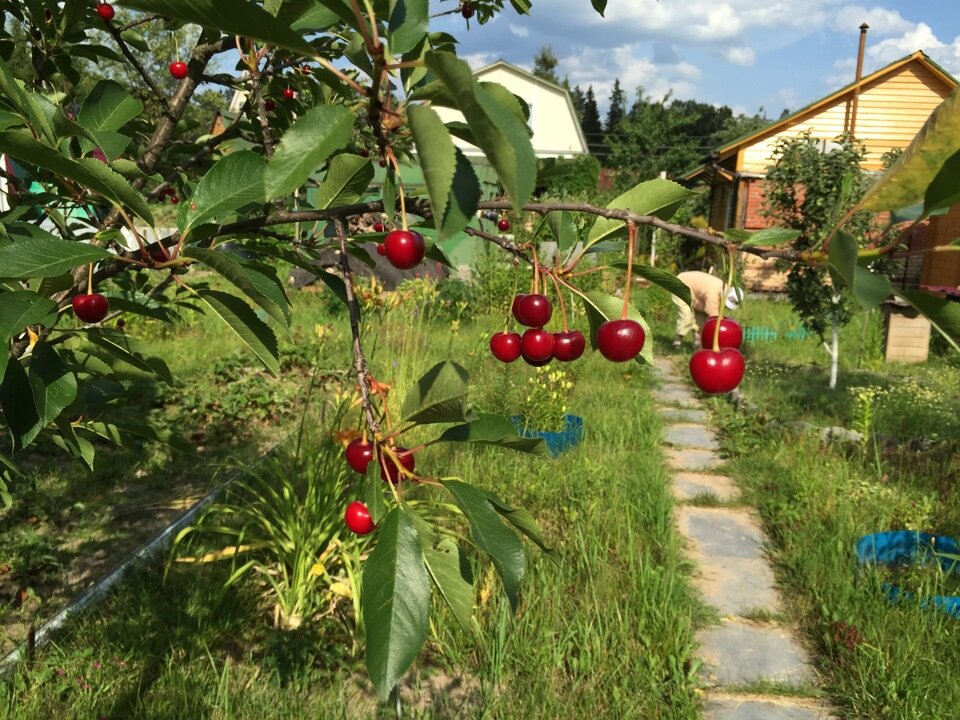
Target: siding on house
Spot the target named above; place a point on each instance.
(890, 112)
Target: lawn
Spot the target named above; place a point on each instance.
(605, 629)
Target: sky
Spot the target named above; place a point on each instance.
(752, 55)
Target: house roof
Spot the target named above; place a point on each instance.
(734, 146)
(503, 64)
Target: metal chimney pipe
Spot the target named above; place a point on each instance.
(856, 90)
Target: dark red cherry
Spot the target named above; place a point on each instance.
(506, 346)
(568, 346)
(620, 340)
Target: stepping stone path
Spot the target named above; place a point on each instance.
(726, 543)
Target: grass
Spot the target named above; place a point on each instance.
(877, 659)
(608, 630)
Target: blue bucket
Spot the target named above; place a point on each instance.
(905, 547)
(556, 442)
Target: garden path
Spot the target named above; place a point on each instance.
(750, 650)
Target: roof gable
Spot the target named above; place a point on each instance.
(842, 95)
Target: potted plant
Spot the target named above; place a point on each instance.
(545, 412)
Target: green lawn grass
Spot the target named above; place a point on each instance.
(607, 630)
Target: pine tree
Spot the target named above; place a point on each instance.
(545, 64)
(618, 107)
(591, 125)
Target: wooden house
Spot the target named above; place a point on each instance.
(555, 129)
(884, 110)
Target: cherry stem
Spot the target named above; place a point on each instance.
(631, 239)
(536, 269)
(90, 279)
(342, 75)
(368, 41)
(563, 307)
(403, 202)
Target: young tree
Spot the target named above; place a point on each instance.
(545, 64)
(618, 108)
(810, 187)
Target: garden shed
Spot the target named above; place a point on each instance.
(884, 110)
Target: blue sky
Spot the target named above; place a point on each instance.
(748, 54)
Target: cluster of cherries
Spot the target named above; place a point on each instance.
(169, 192)
(359, 454)
(721, 370)
(617, 340)
(536, 346)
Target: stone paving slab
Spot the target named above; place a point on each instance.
(683, 415)
(691, 435)
(671, 394)
(691, 459)
(735, 653)
(688, 485)
(754, 708)
(727, 547)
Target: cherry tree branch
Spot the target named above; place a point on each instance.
(138, 66)
(359, 359)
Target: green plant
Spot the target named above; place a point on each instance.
(282, 524)
(546, 403)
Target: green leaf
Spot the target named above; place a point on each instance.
(599, 5)
(396, 602)
(73, 443)
(601, 307)
(944, 190)
(90, 173)
(563, 229)
(451, 573)
(491, 429)
(244, 322)
(869, 289)
(491, 536)
(771, 237)
(107, 108)
(25, 103)
(19, 309)
(503, 137)
(408, 24)
(16, 401)
(9, 120)
(46, 258)
(313, 138)
(348, 178)
(437, 155)
(244, 278)
(54, 386)
(653, 197)
(233, 17)
(668, 281)
(440, 396)
(119, 346)
(942, 312)
(523, 521)
(234, 181)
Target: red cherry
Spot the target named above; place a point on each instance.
(620, 340)
(90, 308)
(731, 335)
(717, 372)
(269, 105)
(537, 345)
(364, 152)
(505, 346)
(381, 249)
(466, 9)
(359, 454)
(405, 248)
(388, 468)
(568, 346)
(515, 306)
(178, 69)
(383, 162)
(106, 11)
(357, 519)
(378, 227)
(503, 224)
(534, 310)
(174, 199)
(289, 94)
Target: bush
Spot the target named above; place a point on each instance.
(573, 177)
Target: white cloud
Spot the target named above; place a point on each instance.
(478, 60)
(880, 20)
(740, 55)
(519, 30)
